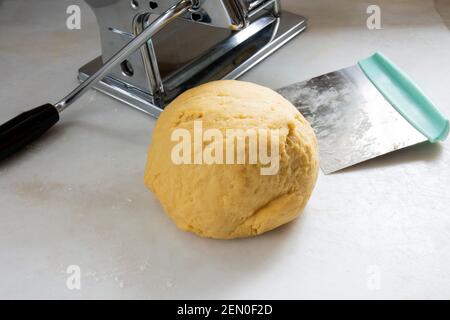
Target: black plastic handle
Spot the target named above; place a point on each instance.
(25, 128)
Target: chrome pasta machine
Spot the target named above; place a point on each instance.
(154, 50)
(213, 39)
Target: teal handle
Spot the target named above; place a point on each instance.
(406, 97)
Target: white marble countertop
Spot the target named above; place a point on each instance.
(378, 230)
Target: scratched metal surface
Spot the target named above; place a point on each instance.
(352, 120)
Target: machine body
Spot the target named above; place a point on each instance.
(216, 39)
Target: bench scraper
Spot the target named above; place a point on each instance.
(364, 111)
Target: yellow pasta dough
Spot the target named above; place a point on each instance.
(205, 191)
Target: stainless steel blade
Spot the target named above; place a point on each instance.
(352, 120)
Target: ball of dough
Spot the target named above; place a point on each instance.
(224, 200)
